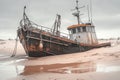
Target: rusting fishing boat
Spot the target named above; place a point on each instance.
(38, 40)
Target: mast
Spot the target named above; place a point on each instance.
(25, 22)
(56, 26)
(24, 14)
(78, 16)
(77, 13)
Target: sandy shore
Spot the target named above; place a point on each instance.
(96, 64)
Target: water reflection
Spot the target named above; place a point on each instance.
(12, 68)
(9, 68)
(68, 68)
(8, 71)
(61, 68)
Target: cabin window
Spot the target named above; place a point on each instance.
(84, 29)
(73, 30)
(78, 29)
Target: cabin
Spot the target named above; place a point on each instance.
(83, 33)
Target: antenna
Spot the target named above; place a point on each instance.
(88, 13)
(77, 13)
(91, 10)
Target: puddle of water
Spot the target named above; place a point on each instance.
(11, 61)
(9, 71)
(61, 68)
(4, 56)
(70, 68)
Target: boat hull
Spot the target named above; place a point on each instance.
(38, 43)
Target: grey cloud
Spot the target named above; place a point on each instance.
(105, 14)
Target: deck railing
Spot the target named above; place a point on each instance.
(47, 29)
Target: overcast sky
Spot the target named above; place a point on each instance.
(106, 15)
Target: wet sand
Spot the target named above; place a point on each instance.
(96, 64)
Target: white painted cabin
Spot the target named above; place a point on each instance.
(83, 33)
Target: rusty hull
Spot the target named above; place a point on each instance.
(49, 44)
(41, 43)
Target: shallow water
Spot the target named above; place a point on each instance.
(70, 68)
(9, 71)
(66, 68)
(10, 67)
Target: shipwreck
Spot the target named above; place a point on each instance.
(38, 40)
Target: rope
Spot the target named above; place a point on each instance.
(15, 48)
